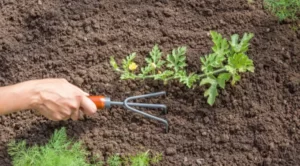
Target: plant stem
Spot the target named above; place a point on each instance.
(200, 76)
(212, 73)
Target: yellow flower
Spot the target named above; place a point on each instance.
(132, 66)
(153, 65)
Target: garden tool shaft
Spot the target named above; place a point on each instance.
(103, 102)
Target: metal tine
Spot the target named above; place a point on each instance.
(164, 107)
(144, 105)
(143, 113)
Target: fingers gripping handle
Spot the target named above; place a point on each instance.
(101, 101)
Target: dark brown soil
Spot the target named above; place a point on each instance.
(254, 123)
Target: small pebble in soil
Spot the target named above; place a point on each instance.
(29, 37)
(267, 162)
(96, 131)
(172, 140)
(222, 22)
(170, 151)
(287, 55)
(103, 118)
(208, 12)
(168, 12)
(159, 4)
(78, 81)
(19, 37)
(146, 135)
(285, 66)
(133, 127)
(250, 157)
(87, 29)
(251, 7)
(125, 130)
(185, 160)
(100, 40)
(206, 120)
(109, 148)
(272, 146)
(199, 161)
(150, 13)
(216, 158)
(224, 138)
(217, 139)
(106, 134)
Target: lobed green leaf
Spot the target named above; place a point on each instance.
(176, 60)
(155, 58)
(222, 79)
(188, 80)
(212, 91)
(221, 47)
(114, 64)
(241, 63)
(243, 45)
(212, 61)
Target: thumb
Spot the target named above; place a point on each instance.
(88, 106)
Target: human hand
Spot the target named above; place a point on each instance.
(57, 99)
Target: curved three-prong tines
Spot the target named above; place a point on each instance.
(128, 106)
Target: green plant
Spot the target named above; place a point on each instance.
(156, 158)
(295, 27)
(114, 160)
(143, 159)
(250, 2)
(59, 151)
(284, 9)
(140, 159)
(225, 63)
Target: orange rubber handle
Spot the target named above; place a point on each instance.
(99, 101)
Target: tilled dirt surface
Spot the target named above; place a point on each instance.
(253, 123)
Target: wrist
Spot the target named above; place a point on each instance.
(18, 97)
(28, 93)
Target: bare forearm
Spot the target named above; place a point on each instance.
(17, 97)
(56, 99)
